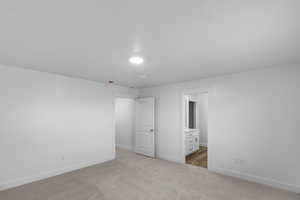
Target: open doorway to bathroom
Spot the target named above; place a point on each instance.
(195, 128)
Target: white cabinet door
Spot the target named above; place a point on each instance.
(189, 145)
(196, 142)
(191, 141)
(144, 133)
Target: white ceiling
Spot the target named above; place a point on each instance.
(180, 40)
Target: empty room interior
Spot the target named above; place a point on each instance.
(150, 100)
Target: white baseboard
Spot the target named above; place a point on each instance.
(25, 180)
(261, 180)
(169, 158)
(126, 147)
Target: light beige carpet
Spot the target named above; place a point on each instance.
(133, 177)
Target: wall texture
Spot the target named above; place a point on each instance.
(50, 124)
(253, 124)
(202, 105)
(125, 127)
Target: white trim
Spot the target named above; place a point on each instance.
(256, 179)
(182, 94)
(126, 147)
(170, 158)
(44, 175)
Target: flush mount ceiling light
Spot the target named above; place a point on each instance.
(136, 60)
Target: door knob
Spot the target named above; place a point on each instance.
(151, 130)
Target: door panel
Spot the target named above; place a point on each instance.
(144, 134)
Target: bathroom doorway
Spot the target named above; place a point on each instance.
(195, 128)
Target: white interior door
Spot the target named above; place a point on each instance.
(144, 132)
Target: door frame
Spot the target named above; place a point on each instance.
(154, 124)
(116, 95)
(182, 115)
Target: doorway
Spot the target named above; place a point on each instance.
(195, 131)
(134, 125)
(124, 123)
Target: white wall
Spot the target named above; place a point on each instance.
(50, 124)
(202, 108)
(125, 92)
(125, 115)
(253, 124)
